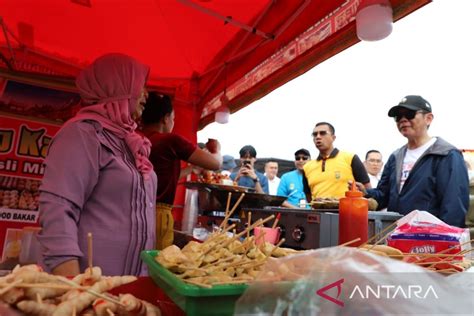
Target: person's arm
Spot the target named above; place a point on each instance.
(205, 159)
(452, 186)
(287, 204)
(307, 189)
(359, 172)
(71, 173)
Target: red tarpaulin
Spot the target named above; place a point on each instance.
(197, 49)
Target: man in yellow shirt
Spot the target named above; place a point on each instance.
(328, 175)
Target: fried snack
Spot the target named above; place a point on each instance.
(387, 250)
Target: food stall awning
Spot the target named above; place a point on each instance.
(197, 49)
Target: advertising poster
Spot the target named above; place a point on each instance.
(25, 135)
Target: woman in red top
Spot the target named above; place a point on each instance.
(168, 150)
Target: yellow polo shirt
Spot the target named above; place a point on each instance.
(328, 177)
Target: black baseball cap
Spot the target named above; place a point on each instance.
(248, 150)
(302, 151)
(410, 102)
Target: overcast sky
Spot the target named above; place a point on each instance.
(429, 53)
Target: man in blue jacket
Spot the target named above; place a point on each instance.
(427, 173)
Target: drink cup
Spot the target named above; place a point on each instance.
(272, 235)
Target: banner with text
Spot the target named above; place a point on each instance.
(23, 146)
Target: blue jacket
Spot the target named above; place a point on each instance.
(438, 183)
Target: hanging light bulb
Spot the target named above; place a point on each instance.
(223, 112)
(374, 20)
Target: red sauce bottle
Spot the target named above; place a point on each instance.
(353, 217)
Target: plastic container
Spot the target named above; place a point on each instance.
(272, 235)
(353, 217)
(193, 300)
(190, 213)
(30, 248)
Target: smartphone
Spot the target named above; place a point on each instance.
(246, 163)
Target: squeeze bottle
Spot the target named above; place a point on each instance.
(353, 217)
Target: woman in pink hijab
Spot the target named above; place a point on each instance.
(98, 178)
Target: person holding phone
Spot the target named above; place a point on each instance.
(247, 176)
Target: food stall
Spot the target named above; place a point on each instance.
(262, 45)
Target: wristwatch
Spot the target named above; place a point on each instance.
(256, 180)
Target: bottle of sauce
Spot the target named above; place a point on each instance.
(353, 217)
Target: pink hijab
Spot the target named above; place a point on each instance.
(112, 84)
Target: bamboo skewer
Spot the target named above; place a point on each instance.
(110, 312)
(229, 241)
(229, 214)
(379, 234)
(229, 196)
(10, 286)
(349, 242)
(249, 221)
(89, 251)
(38, 298)
(276, 246)
(105, 297)
(275, 223)
(42, 285)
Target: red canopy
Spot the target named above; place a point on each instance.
(196, 48)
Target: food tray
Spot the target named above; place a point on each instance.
(192, 299)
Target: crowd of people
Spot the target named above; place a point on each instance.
(106, 177)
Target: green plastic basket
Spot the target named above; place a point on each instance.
(192, 299)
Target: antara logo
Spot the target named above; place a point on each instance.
(322, 292)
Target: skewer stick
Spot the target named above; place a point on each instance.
(349, 242)
(446, 250)
(276, 246)
(10, 286)
(217, 234)
(74, 310)
(229, 241)
(449, 259)
(249, 221)
(105, 297)
(379, 234)
(110, 312)
(229, 214)
(38, 298)
(89, 251)
(42, 285)
(227, 208)
(275, 223)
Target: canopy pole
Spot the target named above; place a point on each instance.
(228, 19)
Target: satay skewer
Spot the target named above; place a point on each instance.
(229, 196)
(275, 223)
(249, 221)
(89, 251)
(376, 236)
(349, 242)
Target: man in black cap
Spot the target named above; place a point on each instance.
(247, 176)
(291, 183)
(427, 173)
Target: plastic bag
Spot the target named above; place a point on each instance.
(347, 281)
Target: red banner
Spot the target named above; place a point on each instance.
(23, 146)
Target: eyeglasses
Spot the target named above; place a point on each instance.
(322, 133)
(301, 158)
(409, 115)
